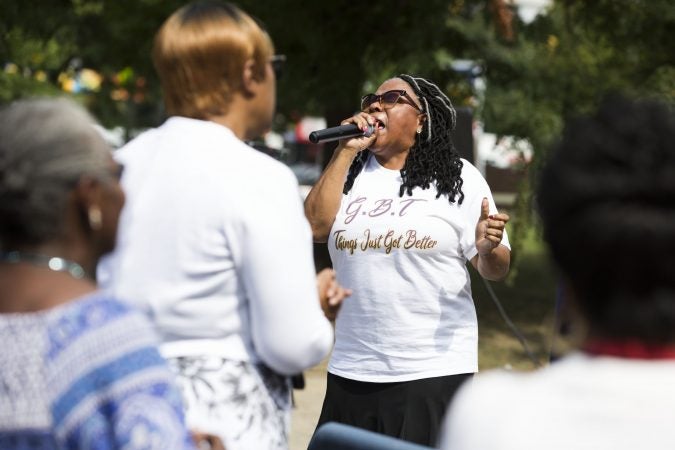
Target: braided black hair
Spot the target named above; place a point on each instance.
(433, 157)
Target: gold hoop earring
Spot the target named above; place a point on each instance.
(95, 218)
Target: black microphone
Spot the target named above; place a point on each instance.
(342, 132)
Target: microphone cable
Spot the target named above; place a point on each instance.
(561, 324)
(514, 329)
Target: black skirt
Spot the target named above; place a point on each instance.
(409, 410)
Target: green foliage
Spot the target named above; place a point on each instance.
(562, 64)
(13, 86)
(555, 67)
(58, 36)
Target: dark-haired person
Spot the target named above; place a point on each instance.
(213, 239)
(607, 203)
(403, 214)
(78, 369)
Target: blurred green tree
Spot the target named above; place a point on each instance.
(539, 74)
(535, 74)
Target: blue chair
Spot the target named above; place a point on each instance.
(337, 436)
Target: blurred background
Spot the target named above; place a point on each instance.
(515, 69)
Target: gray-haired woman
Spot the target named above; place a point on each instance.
(78, 369)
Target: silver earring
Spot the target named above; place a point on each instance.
(95, 218)
(419, 131)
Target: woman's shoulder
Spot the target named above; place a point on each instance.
(469, 171)
(102, 360)
(92, 309)
(98, 322)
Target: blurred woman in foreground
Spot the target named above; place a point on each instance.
(78, 369)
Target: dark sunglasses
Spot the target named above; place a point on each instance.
(388, 99)
(277, 62)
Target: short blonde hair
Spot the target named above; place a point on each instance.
(199, 54)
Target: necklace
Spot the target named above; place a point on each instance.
(51, 262)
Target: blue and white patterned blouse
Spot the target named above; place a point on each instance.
(86, 375)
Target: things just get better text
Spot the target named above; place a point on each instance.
(387, 241)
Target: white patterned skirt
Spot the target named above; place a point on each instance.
(247, 405)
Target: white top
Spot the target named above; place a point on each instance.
(214, 240)
(580, 402)
(411, 315)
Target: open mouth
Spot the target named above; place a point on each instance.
(379, 125)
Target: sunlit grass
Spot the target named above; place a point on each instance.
(529, 299)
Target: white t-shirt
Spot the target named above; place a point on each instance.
(411, 315)
(580, 402)
(214, 244)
